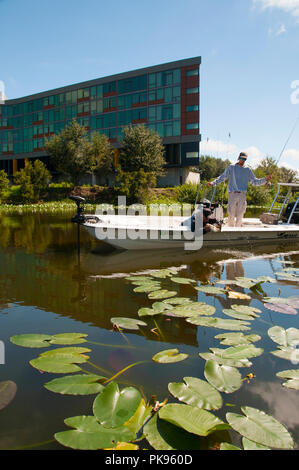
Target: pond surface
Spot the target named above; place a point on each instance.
(45, 288)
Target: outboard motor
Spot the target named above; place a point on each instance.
(79, 218)
(212, 217)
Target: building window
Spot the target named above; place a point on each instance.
(192, 73)
(190, 91)
(194, 107)
(192, 155)
(192, 125)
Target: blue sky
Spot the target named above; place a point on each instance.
(249, 51)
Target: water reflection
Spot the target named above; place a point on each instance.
(45, 288)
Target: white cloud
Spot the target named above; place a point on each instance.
(289, 6)
(282, 29)
(219, 149)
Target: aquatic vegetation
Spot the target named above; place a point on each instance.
(8, 390)
(186, 419)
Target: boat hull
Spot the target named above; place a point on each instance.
(137, 237)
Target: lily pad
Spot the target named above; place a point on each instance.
(281, 308)
(68, 338)
(127, 323)
(286, 338)
(169, 356)
(227, 446)
(211, 290)
(220, 323)
(226, 379)
(246, 309)
(162, 294)
(147, 288)
(261, 428)
(89, 434)
(192, 309)
(163, 435)
(178, 301)
(250, 445)
(290, 354)
(113, 407)
(82, 384)
(182, 280)
(234, 339)
(32, 340)
(8, 390)
(196, 392)
(194, 420)
(148, 312)
(238, 315)
(292, 377)
(212, 356)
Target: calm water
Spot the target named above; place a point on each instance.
(45, 289)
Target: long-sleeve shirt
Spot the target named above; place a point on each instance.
(238, 178)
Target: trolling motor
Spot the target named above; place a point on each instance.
(79, 218)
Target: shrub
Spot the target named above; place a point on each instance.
(4, 183)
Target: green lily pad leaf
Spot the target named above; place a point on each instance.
(290, 354)
(169, 356)
(234, 339)
(246, 282)
(8, 390)
(266, 279)
(182, 280)
(163, 273)
(162, 294)
(161, 306)
(224, 378)
(54, 366)
(246, 309)
(220, 323)
(225, 361)
(163, 435)
(127, 323)
(192, 309)
(211, 290)
(148, 312)
(194, 420)
(250, 445)
(261, 428)
(68, 352)
(31, 340)
(245, 351)
(286, 338)
(178, 301)
(238, 315)
(274, 300)
(113, 407)
(292, 377)
(88, 434)
(82, 384)
(196, 392)
(147, 288)
(227, 446)
(68, 338)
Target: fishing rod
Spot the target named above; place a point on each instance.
(287, 141)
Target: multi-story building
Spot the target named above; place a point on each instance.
(163, 97)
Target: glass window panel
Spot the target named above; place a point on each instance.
(177, 76)
(176, 111)
(190, 91)
(168, 130)
(152, 113)
(160, 94)
(176, 128)
(192, 73)
(152, 80)
(168, 95)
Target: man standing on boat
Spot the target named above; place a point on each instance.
(238, 176)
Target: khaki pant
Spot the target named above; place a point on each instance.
(236, 209)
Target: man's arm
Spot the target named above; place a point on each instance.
(257, 181)
(221, 178)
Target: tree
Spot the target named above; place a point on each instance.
(33, 181)
(70, 151)
(210, 167)
(142, 148)
(101, 154)
(4, 183)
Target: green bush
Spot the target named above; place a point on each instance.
(33, 181)
(4, 184)
(135, 185)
